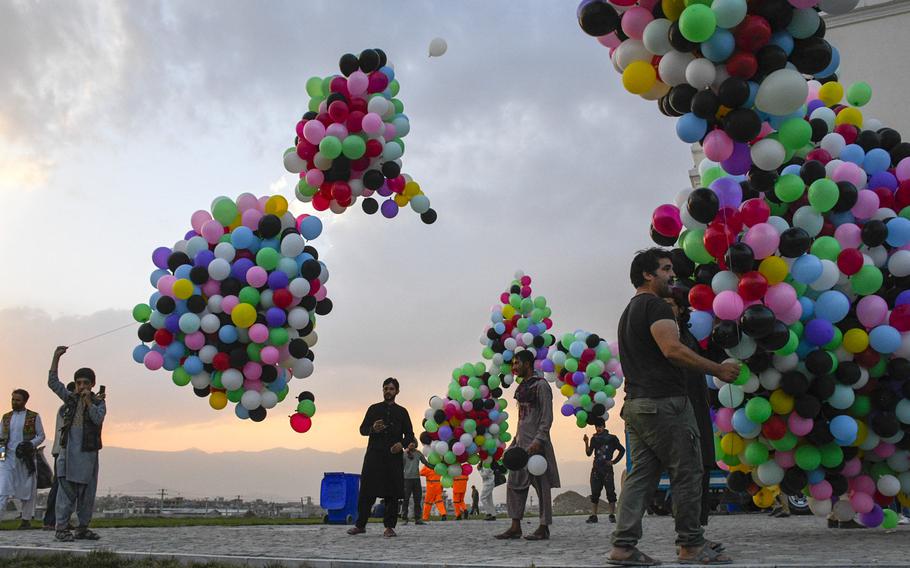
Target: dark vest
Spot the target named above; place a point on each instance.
(91, 432)
(28, 429)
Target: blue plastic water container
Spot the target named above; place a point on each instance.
(338, 496)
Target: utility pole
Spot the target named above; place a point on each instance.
(162, 492)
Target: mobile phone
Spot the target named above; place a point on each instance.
(101, 390)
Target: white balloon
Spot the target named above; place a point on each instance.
(888, 485)
(843, 511)
(299, 287)
(809, 220)
(769, 473)
(207, 353)
(743, 350)
(767, 153)
(778, 223)
(268, 399)
(251, 400)
(820, 507)
(201, 380)
(292, 245)
(292, 162)
(700, 73)
(311, 339)
(219, 269)
(656, 38)
(784, 363)
(232, 379)
(730, 395)
(833, 143)
(687, 219)
(302, 369)
(724, 280)
(195, 245)
(210, 322)
(179, 246)
(628, 51)
(835, 7)
(298, 318)
(420, 203)
(438, 47)
(830, 274)
(782, 92)
(537, 465)
(672, 67)
(214, 304)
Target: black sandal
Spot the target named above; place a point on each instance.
(637, 558)
(508, 535)
(539, 535)
(707, 556)
(86, 534)
(63, 536)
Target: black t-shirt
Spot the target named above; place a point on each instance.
(604, 446)
(648, 373)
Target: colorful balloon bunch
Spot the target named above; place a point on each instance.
(235, 305)
(469, 426)
(349, 143)
(796, 252)
(517, 322)
(587, 372)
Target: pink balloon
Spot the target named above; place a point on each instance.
(252, 370)
(780, 297)
(212, 231)
(634, 21)
(321, 294)
(257, 276)
(195, 340)
(269, 355)
(848, 171)
(358, 81)
(165, 285)
(784, 459)
(862, 502)
(862, 484)
(718, 146)
(763, 239)
(153, 360)
(313, 131)
(803, 4)
(852, 467)
(314, 177)
(228, 303)
(259, 333)
(884, 449)
(798, 425)
(902, 170)
(867, 204)
(872, 310)
(251, 385)
(611, 40)
(666, 220)
(792, 315)
(372, 123)
(337, 130)
(211, 288)
(848, 235)
(728, 305)
(250, 218)
(723, 419)
(247, 201)
(199, 219)
(821, 490)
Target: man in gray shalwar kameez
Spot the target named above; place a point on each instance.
(535, 416)
(77, 465)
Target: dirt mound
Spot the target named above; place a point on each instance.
(573, 503)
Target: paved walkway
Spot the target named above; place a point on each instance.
(752, 540)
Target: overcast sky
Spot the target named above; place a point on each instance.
(119, 119)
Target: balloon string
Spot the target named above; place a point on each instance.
(81, 341)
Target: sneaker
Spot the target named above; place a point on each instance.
(63, 536)
(904, 520)
(85, 534)
(592, 519)
(612, 518)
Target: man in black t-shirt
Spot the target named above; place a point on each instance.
(603, 445)
(660, 425)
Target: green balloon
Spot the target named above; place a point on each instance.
(571, 365)
(527, 304)
(305, 189)
(479, 370)
(249, 295)
(314, 87)
(890, 521)
(278, 336)
(493, 382)
(252, 351)
(808, 457)
(398, 106)
(142, 312)
(469, 426)
(313, 105)
(758, 410)
(567, 340)
(330, 147)
(731, 460)
(432, 427)
(743, 378)
(597, 383)
(858, 94)
(353, 147)
(268, 258)
(394, 87)
(823, 195)
(835, 342)
(450, 457)
(441, 469)
(594, 369)
(224, 210)
(831, 455)
(235, 395)
(791, 345)
(694, 246)
(785, 444)
(216, 380)
(581, 416)
(711, 174)
(327, 85)
(825, 247)
(283, 393)
(794, 133)
(697, 23)
(879, 368)
(756, 453)
(603, 353)
(474, 382)
(433, 458)
(610, 391)
(867, 281)
(540, 302)
(307, 407)
(523, 325)
(789, 187)
(180, 377)
(778, 209)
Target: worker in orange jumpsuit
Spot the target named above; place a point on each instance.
(459, 488)
(433, 495)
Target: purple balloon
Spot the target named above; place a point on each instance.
(160, 256)
(239, 268)
(567, 410)
(190, 234)
(739, 161)
(873, 518)
(882, 179)
(203, 258)
(275, 317)
(819, 332)
(578, 378)
(445, 433)
(384, 191)
(172, 323)
(729, 192)
(389, 209)
(278, 280)
(902, 298)
(813, 104)
(547, 366)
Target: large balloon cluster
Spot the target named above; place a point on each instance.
(349, 145)
(796, 252)
(469, 426)
(587, 372)
(235, 305)
(517, 322)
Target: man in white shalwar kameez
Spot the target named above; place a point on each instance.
(18, 477)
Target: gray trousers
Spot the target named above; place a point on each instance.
(412, 491)
(78, 497)
(516, 499)
(663, 436)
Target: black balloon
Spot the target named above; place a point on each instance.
(811, 171)
(726, 334)
(819, 129)
(369, 205)
(177, 259)
(847, 197)
(776, 338)
(778, 13)
(794, 383)
(763, 181)
(373, 179)
(818, 362)
(771, 58)
(807, 406)
(269, 226)
(678, 41)
(742, 124)
(889, 138)
(348, 64)
(733, 92)
(369, 60)
(705, 273)
(740, 258)
(598, 18)
(703, 205)
(662, 240)
(899, 152)
(383, 58)
(428, 216)
(868, 139)
(811, 55)
(680, 98)
(822, 386)
(874, 233)
(391, 170)
(258, 414)
(683, 266)
(165, 305)
(794, 242)
(515, 458)
(705, 104)
(757, 321)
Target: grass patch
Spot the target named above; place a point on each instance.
(104, 560)
(150, 522)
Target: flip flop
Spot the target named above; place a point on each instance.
(716, 546)
(707, 556)
(637, 558)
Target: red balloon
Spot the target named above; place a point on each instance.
(374, 148)
(742, 64)
(902, 195)
(221, 362)
(666, 220)
(359, 105)
(820, 155)
(164, 337)
(341, 190)
(300, 423)
(718, 239)
(900, 318)
(360, 164)
(848, 131)
(324, 118)
(774, 428)
(282, 298)
(355, 121)
(868, 358)
(754, 211)
(730, 218)
(305, 150)
(340, 85)
(378, 82)
(338, 110)
(701, 297)
(320, 203)
(885, 197)
(752, 34)
(849, 261)
(752, 286)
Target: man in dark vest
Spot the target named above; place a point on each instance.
(80, 440)
(20, 433)
(389, 429)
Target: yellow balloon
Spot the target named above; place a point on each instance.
(218, 400)
(567, 390)
(781, 402)
(831, 93)
(904, 499)
(672, 8)
(764, 498)
(479, 440)
(401, 199)
(850, 115)
(411, 188)
(862, 432)
(236, 222)
(243, 315)
(856, 340)
(774, 269)
(508, 311)
(639, 77)
(183, 289)
(732, 444)
(276, 205)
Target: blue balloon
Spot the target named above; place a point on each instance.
(783, 40)
(843, 397)
(815, 476)
(832, 305)
(576, 349)
(844, 428)
(791, 169)
(192, 365)
(808, 307)
(310, 227)
(898, 231)
(153, 278)
(690, 128)
(719, 46)
(272, 243)
(228, 334)
(885, 339)
(176, 350)
(499, 328)
(838, 219)
(183, 271)
(819, 332)
(153, 299)
(853, 153)
(583, 388)
(831, 69)
(700, 324)
(171, 363)
(753, 92)
(806, 269)
(804, 348)
(242, 237)
(876, 160)
(743, 426)
(139, 352)
(241, 412)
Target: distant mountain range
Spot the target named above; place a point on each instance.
(277, 475)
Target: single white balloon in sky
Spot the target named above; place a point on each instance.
(438, 47)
